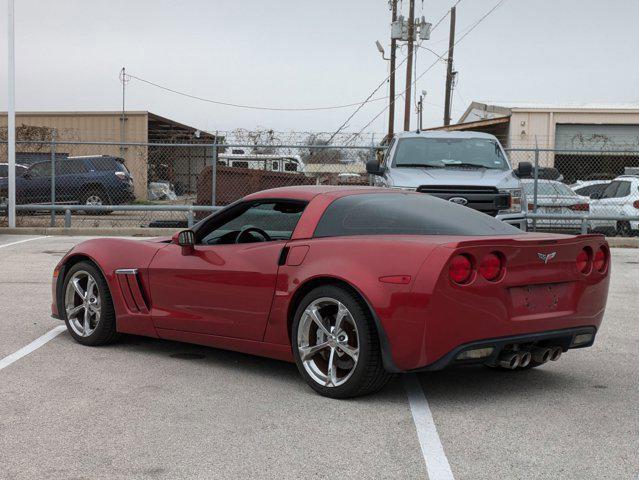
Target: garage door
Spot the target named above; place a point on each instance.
(596, 137)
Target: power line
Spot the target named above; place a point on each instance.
(250, 107)
(481, 19)
(418, 45)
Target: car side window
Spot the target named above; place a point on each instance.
(70, 167)
(386, 157)
(259, 221)
(40, 170)
(611, 190)
(624, 189)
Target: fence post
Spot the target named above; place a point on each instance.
(536, 177)
(67, 218)
(372, 157)
(214, 174)
(53, 135)
(584, 226)
(189, 218)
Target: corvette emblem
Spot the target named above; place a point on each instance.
(546, 257)
(458, 200)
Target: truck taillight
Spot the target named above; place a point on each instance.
(491, 266)
(584, 261)
(580, 207)
(601, 259)
(460, 269)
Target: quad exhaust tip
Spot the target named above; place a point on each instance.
(510, 360)
(521, 359)
(524, 359)
(555, 353)
(542, 355)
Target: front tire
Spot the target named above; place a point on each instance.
(88, 307)
(335, 344)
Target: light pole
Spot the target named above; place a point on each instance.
(420, 110)
(11, 117)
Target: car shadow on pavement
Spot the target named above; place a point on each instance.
(478, 384)
(281, 374)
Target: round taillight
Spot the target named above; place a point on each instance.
(583, 261)
(601, 259)
(461, 269)
(491, 266)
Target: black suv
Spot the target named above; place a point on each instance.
(91, 180)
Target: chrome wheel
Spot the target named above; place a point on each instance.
(93, 200)
(82, 303)
(328, 342)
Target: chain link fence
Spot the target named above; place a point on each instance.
(577, 183)
(108, 185)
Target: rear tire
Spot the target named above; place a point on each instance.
(95, 196)
(85, 290)
(336, 345)
(623, 229)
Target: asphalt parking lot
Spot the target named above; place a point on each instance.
(147, 408)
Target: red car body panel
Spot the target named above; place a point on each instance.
(237, 296)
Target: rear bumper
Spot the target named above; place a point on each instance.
(561, 338)
(514, 219)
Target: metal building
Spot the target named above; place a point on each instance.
(140, 127)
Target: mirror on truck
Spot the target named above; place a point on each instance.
(373, 167)
(525, 169)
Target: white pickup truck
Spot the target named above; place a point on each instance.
(468, 168)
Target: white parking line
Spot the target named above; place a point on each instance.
(22, 241)
(14, 357)
(437, 464)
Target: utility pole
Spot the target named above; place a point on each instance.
(391, 105)
(409, 64)
(449, 69)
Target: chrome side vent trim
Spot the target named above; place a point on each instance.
(131, 290)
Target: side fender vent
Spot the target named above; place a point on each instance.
(131, 290)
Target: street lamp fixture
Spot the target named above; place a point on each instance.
(381, 49)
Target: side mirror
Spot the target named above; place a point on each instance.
(525, 169)
(186, 240)
(373, 167)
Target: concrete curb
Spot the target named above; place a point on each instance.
(615, 242)
(623, 242)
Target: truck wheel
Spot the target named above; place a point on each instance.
(335, 344)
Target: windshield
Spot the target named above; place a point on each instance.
(450, 153)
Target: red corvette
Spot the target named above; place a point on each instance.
(352, 284)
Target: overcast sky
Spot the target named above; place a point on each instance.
(298, 53)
